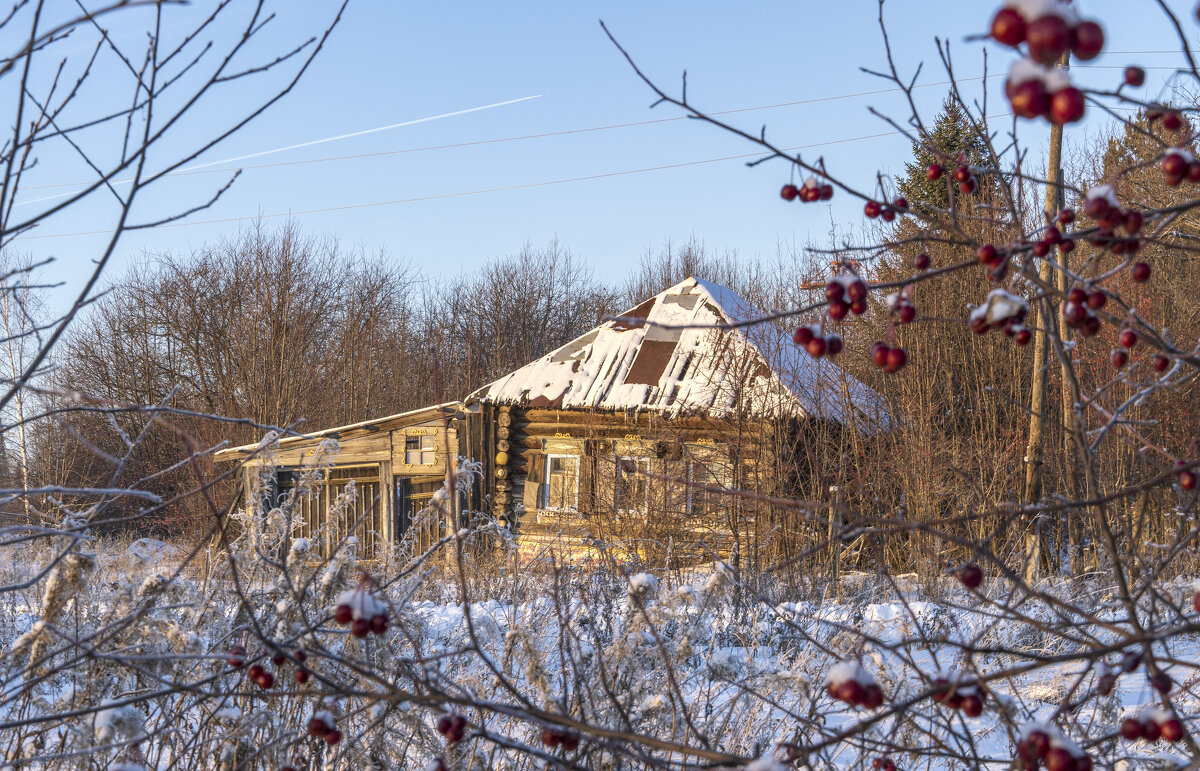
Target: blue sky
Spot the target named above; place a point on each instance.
(393, 62)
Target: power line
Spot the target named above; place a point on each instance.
(566, 132)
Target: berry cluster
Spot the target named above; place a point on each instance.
(1152, 725)
(967, 699)
(1079, 312)
(846, 293)
(965, 178)
(995, 260)
(816, 344)
(883, 763)
(553, 737)
(901, 307)
(812, 190)
(1102, 206)
(1179, 164)
(1044, 745)
(887, 357)
(1035, 91)
(1049, 28)
(453, 726)
(321, 725)
(1002, 310)
(261, 677)
(888, 213)
(362, 612)
(1054, 237)
(849, 682)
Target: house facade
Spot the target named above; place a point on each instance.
(672, 427)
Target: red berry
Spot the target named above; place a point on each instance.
(896, 359)
(343, 614)
(379, 623)
(871, 209)
(318, 727)
(851, 692)
(907, 313)
(1131, 729)
(826, 192)
(1066, 105)
(569, 742)
(879, 351)
(962, 173)
(921, 261)
(1059, 759)
(789, 192)
(1030, 100)
(1039, 742)
(333, 737)
(833, 345)
(815, 347)
(1135, 76)
(278, 658)
(1139, 272)
(970, 575)
(550, 737)
(1162, 682)
(1130, 660)
(858, 307)
(934, 172)
(1096, 299)
(858, 290)
(1008, 27)
(834, 291)
(972, 705)
(1174, 165)
(265, 680)
(360, 627)
(1133, 222)
(1041, 249)
(1048, 38)
(1187, 480)
(837, 310)
(1096, 207)
(1090, 326)
(987, 254)
(1066, 246)
(968, 185)
(300, 655)
(236, 657)
(302, 675)
(443, 724)
(872, 696)
(254, 671)
(1196, 602)
(1118, 358)
(1107, 682)
(1087, 40)
(1076, 295)
(1161, 363)
(1172, 121)
(1193, 172)
(1151, 731)
(1066, 216)
(1171, 729)
(1128, 338)
(888, 214)
(802, 335)
(900, 203)
(1023, 336)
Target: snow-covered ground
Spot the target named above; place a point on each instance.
(137, 668)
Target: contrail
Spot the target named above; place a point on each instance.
(339, 137)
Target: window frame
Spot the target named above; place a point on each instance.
(544, 495)
(642, 478)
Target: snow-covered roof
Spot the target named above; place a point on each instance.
(676, 353)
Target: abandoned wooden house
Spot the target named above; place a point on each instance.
(671, 427)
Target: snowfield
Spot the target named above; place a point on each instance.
(645, 655)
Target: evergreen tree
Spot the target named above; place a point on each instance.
(953, 136)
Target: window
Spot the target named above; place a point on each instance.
(420, 450)
(561, 488)
(632, 484)
(702, 500)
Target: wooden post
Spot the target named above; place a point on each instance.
(1041, 349)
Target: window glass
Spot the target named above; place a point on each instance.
(632, 483)
(562, 482)
(420, 450)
